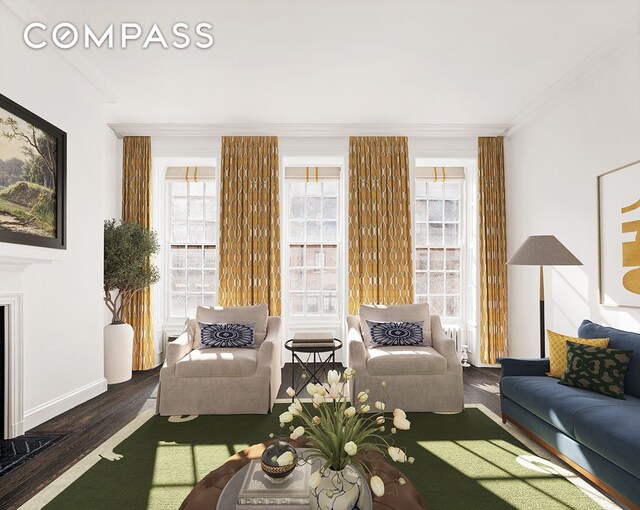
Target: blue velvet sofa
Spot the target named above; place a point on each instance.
(598, 435)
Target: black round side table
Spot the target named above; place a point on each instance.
(318, 359)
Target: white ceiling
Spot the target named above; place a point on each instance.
(346, 61)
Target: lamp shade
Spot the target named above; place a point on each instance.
(543, 251)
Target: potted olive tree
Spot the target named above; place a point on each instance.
(128, 248)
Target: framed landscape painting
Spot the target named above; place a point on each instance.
(619, 231)
(32, 178)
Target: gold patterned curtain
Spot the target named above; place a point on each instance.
(380, 270)
(250, 222)
(493, 249)
(136, 208)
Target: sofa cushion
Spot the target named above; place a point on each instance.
(397, 313)
(405, 361)
(558, 350)
(257, 315)
(618, 339)
(552, 402)
(218, 363)
(613, 432)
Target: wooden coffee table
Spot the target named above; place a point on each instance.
(206, 495)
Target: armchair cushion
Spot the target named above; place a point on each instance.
(397, 313)
(219, 362)
(405, 361)
(257, 315)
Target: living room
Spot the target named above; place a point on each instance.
(290, 240)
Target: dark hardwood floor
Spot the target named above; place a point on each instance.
(91, 423)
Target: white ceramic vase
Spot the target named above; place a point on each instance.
(118, 352)
(338, 490)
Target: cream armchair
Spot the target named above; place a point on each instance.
(417, 378)
(220, 381)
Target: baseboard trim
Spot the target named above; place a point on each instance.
(43, 412)
(589, 476)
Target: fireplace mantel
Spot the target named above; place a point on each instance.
(15, 264)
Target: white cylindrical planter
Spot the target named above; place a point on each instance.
(118, 353)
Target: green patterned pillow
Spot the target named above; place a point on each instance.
(596, 368)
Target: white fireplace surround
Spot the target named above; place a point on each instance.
(14, 407)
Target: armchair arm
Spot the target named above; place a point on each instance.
(357, 350)
(516, 366)
(444, 345)
(178, 349)
(269, 351)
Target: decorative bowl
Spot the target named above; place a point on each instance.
(272, 452)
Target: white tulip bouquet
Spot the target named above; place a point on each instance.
(337, 429)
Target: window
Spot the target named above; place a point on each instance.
(313, 248)
(438, 240)
(192, 239)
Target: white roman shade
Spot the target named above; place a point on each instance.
(312, 173)
(190, 173)
(440, 173)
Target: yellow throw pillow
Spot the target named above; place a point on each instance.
(558, 350)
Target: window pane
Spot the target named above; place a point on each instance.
(422, 259)
(210, 257)
(209, 300)
(330, 253)
(451, 210)
(297, 187)
(179, 189)
(296, 303)
(295, 256)
(297, 208)
(314, 257)
(193, 302)
(297, 231)
(314, 208)
(330, 208)
(178, 257)
(329, 303)
(210, 209)
(179, 209)
(194, 281)
(422, 279)
(329, 281)
(436, 283)
(435, 210)
(421, 210)
(437, 259)
(209, 281)
(176, 305)
(179, 233)
(421, 234)
(436, 305)
(314, 188)
(313, 279)
(453, 307)
(196, 232)
(210, 188)
(196, 189)
(435, 190)
(313, 231)
(330, 188)
(451, 233)
(453, 259)
(209, 232)
(194, 257)
(423, 299)
(196, 209)
(296, 281)
(453, 283)
(178, 280)
(452, 190)
(313, 303)
(435, 234)
(329, 232)
(421, 189)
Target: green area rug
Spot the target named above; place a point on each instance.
(463, 461)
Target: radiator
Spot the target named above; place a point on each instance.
(454, 333)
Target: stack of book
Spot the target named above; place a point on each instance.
(312, 340)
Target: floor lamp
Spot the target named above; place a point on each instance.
(543, 251)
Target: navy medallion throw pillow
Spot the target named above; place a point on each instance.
(399, 334)
(227, 335)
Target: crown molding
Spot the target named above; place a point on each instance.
(309, 130)
(582, 72)
(26, 12)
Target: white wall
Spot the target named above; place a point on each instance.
(63, 309)
(552, 164)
